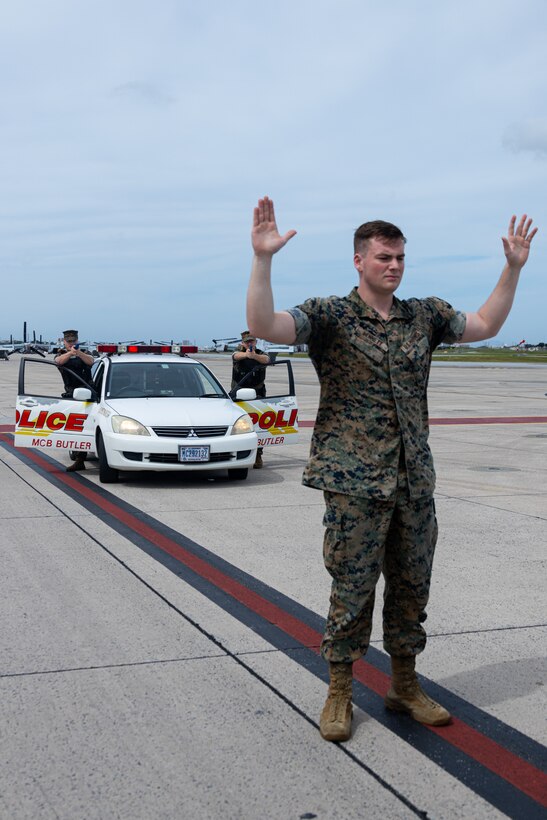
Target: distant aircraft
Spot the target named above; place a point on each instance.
(271, 347)
(27, 348)
(228, 343)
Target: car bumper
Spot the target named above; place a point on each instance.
(161, 454)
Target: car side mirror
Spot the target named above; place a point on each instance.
(82, 394)
(245, 394)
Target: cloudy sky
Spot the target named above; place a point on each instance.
(137, 136)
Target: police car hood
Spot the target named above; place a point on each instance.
(169, 411)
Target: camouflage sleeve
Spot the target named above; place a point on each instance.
(448, 323)
(309, 319)
(302, 325)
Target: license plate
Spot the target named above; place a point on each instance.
(193, 453)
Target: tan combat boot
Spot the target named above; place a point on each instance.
(406, 695)
(335, 721)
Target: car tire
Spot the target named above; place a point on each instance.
(107, 474)
(238, 475)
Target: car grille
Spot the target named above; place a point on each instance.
(184, 432)
(172, 458)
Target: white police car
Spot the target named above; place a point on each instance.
(148, 408)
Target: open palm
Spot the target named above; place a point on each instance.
(516, 244)
(265, 237)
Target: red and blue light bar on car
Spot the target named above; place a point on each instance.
(129, 348)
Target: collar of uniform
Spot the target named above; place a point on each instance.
(398, 309)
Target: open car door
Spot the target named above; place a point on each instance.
(44, 418)
(275, 417)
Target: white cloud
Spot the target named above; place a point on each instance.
(529, 136)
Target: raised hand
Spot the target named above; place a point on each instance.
(265, 237)
(516, 244)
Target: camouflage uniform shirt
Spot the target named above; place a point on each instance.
(373, 405)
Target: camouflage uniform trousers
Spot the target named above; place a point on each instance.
(363, 538)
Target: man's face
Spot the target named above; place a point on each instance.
(381, 265)
(70, 341)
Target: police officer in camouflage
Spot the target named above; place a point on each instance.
(369, 453)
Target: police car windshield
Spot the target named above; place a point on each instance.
(161, 379)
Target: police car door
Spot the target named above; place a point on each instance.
(43, 418)
(275, 417)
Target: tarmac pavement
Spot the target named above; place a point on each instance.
(159, 657)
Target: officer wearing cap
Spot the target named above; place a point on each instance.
(247, 359)
(74, 362)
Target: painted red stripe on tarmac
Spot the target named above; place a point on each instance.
(513, 769)
(491, 755)
(471, 420)
(269, 611)
(528, 779)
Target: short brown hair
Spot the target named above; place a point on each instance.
(378, 229)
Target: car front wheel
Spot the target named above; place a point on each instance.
(238, 475)
(107, 474)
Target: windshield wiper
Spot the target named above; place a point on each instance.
(211, 396)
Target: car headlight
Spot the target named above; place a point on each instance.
(244, 424)
(128, 427)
